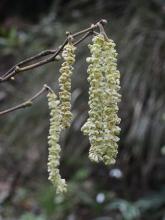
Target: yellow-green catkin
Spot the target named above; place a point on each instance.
(104, 78)
(66, 71)
(54, 147)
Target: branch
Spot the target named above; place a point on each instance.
(21, 67)
(30, 59)
(27, 103)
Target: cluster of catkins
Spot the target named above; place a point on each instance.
(60, 117)
(104, 78)
(102, 126)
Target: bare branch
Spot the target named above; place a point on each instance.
(27, 103)
(30, 59)
(21, 68)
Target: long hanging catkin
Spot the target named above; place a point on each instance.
(54, 147)
(65, 84)
(104, 78)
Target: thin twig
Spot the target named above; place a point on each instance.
(30, 59)
(27, 103)
(102, 31)
(93, 26)
(82, 38)
(21, 68)
(18, 69)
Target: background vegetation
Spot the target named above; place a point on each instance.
(134, 188)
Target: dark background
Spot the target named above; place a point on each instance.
(131, 189)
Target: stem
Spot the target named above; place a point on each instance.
(30, 59)
(27, 103)
(82, 38)
(102, 31)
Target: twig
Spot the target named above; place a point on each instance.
(21, 68)
(93, 26)
(30, 59)
(82, 38)
(102, 31)
(27, 103)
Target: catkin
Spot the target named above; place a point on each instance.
(54, 147)
(104, 78)
(66, 71)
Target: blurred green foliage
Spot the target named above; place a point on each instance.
(29, 216)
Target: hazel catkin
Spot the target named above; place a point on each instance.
(66, 71)
(54, 147)
(104, 78)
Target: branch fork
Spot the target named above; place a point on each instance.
(52, 55)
